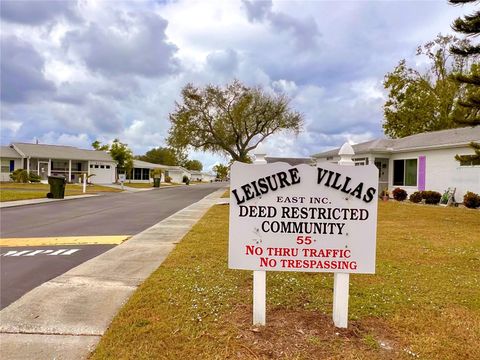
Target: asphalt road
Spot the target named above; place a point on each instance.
(109, 214)
(24, 268)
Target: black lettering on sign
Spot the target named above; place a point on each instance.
(325, 177)
(266, 184)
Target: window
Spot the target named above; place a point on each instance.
(137, 174)
(60, 165)
(360, 161)
(405, 172)
(107, 166)
(146, 174)
(96, 166)
(91, 166)
(5, 167)
(102, 166)
(12, 165)
(469, 160)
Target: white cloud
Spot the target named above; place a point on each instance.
(10, 125)
(101, 70)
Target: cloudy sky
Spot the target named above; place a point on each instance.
(76, 71)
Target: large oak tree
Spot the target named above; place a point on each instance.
(424, 98)
(230, 120)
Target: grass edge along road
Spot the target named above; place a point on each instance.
(422, 303)
(10, 191)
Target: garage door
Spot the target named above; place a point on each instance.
(104, 173)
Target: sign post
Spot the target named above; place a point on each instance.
(303, 218)
(259, 276)
(121, 178)
(341, 281)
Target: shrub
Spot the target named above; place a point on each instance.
(416, 197)
(19, 176)
(384, 192)
(168, 179)
(156, 173)
(471, 200)
(399, 194)
(431, 197)
(34, 178)
(185, 179)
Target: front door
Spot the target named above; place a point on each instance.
(382, 165)
(43, 169)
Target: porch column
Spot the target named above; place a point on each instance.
(88, 168)
(49, 167)
(28, 165)
(69, 170)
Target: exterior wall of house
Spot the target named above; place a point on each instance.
(104, 171)
(5, 168)
(208, 177)
(177, 174)
(441, 171)
(331, 159)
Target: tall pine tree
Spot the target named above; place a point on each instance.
(469, 25)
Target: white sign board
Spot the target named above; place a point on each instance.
(121, 177)
(303, 218)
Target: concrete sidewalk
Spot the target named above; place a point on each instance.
(66, 317)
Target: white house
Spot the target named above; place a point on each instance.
(176, 173)
(10, 161)
(419, 162)
(208, 177)
(142, 170)
(71, 162)
(196, 175)
(201, 176)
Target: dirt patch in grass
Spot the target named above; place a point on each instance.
(293, 334)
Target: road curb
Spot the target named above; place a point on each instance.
(81, 303)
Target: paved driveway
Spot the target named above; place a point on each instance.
(120, 214)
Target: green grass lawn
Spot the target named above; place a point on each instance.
(423, 302)
(17, 191)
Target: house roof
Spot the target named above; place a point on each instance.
(289, 160)
(434, 139)
(8, 152)
(147, 165)
(45, 151)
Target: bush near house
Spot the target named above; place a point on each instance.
(471, 200)
(34, 178)
(416, 197)
(168, 179)
(185, 179)
(20, 176)
(431, 197)
(399, 194)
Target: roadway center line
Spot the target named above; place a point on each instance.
(64, 240)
